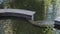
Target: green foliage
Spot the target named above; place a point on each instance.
(54, 1)
(33, 5)
(1, 6)
(48, 2)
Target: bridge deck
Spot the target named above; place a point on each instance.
(17, 12)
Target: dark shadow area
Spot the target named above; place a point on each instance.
(57, 26)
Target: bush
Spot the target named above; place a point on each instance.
(33, 5)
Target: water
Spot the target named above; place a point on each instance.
(18, 26)
(5, 26)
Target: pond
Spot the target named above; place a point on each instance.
(15, 25)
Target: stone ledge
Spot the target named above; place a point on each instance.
(43, 23)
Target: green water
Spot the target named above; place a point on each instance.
(15, 25)
(22, 26)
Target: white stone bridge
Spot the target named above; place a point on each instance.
(18, 13)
